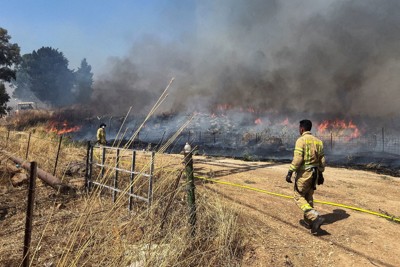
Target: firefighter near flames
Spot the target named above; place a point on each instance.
(101, 135)
(308, 163)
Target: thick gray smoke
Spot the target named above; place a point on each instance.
(337, 58)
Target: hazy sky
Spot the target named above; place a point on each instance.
(93, 29)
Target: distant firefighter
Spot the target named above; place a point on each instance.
(308, 163)
(101, 134)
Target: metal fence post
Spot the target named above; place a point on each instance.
(27, 147)
(131, 179)
(87, 165)
(90, 167)
(188, 161)
(103, 162)
(8, 137)
(116, 177)
(29, 213)
(58, 154)
(150, 193)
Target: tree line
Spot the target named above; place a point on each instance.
(42, 75)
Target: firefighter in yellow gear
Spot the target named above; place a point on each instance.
(309, 164)
(101, 134)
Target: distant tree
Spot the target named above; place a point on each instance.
(83, 82)
(23, 83)
(9, 56)
(45, 72)
(4, 98)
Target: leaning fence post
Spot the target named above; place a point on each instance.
(188, 161)
(29, 213)
(27, 147)
(58, 154)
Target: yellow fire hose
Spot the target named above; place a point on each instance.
(392, 218)
(286, 196)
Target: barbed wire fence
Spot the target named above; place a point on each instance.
(264, 144)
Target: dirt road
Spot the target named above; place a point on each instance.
(275, 238)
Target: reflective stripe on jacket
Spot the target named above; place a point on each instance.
(308, 153)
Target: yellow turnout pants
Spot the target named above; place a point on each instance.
(303, 195)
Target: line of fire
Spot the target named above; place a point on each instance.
(238, 132)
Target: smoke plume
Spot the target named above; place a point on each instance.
(338, 58)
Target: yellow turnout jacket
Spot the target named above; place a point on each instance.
(101, 136)
(308, 153)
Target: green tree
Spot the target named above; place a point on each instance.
(45, 72)
(9, 57)
(83, 82)
(23, 83)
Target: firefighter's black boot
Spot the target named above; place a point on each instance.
(305, 224)
(316, 225)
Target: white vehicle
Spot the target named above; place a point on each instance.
(26, 106)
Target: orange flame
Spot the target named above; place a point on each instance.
(62, 128)
(258, 121)
(251, 110)
(285, 122)
(339, 127)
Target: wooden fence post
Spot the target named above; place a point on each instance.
(188, 161)
(29, 213)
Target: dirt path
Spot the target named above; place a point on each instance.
(350, 238)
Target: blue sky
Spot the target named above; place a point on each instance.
(93, 29)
